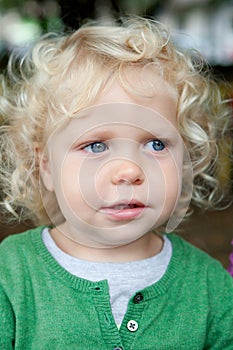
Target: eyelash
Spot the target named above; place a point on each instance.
(159, 143)
(90, 147)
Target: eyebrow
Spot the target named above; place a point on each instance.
(110, 131)
(98, 134)
(107, 134)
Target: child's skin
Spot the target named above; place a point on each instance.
(126, 149)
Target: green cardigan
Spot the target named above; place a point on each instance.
(42, 306)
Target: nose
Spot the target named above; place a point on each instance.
(127, 172)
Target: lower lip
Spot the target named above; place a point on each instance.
(124, 214)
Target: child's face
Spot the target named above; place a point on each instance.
(116, 169)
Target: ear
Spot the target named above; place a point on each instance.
(45, 169)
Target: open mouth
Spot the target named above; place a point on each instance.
(126, 206)
(124, 211)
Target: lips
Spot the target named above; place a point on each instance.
(121, 206)
(124, 210)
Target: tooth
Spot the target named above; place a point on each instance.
(120, 206)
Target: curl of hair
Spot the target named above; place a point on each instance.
(63, 74)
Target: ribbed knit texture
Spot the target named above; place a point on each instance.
(42, 306)
(130, 276)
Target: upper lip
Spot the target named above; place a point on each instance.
(124, 204)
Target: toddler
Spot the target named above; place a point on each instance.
(109, 135)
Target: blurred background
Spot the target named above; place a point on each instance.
(206, 25)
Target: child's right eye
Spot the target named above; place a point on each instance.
(96, 147)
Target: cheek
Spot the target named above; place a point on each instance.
(173, 178)
(173, 171)
(78, 183)
(166, 181)
(66, 175)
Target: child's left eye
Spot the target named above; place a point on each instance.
(96, 147)
(155, 145)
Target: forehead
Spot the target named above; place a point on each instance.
(143, 88)
(142, 100)
(115, 120)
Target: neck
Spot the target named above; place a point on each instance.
(145, 247)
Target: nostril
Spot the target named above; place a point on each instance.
(138, 181)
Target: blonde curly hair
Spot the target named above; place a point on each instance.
(63, 74)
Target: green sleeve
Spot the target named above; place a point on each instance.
(220, 334)
(6, 322)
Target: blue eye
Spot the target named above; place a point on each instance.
(155, 145)
(96, 147)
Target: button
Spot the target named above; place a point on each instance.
(132, 326)
(138, 298)
(118, 348)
